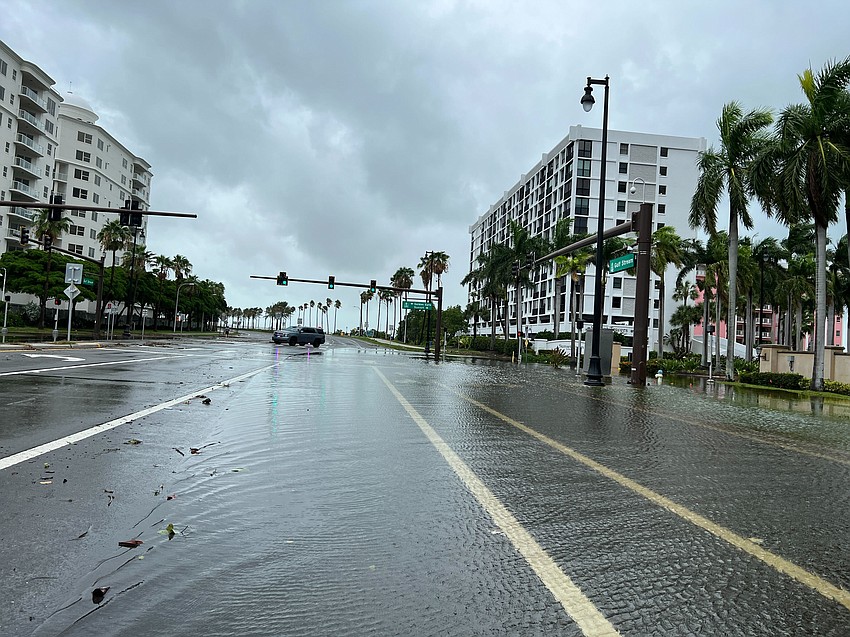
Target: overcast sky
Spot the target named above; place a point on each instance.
(349, 137)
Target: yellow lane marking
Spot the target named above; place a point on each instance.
(577, 605)
(828, 590)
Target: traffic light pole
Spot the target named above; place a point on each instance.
(427, 293)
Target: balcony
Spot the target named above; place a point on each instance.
(33, 98)
(21, 187)
(30, 143)
(30, 121)
(140, 178)
(61, 176)
(27, 166)
(23, 213)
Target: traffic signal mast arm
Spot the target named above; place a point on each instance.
(68, 206)
(349, 285)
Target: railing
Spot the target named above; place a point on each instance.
(32, 119)
(19, 185)
(26, 213)
(25, 90)
(61, 176)
(20, 162)
(26, 141)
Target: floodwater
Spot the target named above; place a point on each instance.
(315, 506)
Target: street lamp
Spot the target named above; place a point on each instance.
(594, 370)
(633, 189)
(6, 310)
(177, 301)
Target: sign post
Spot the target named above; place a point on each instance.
(72, 292)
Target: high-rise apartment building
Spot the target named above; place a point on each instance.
(54, 146)
(564, 184)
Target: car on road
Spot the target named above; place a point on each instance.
(314, 336)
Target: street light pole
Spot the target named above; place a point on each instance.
(594, 370)
(131, 292)
(177, 301)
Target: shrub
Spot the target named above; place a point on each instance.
(770, 379)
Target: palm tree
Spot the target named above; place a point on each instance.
(806, 172)
(162, 266)
(113, 237)
(666, 249)
(181, 266)
(44, 227)
(337, 305)
(312, 305)
(574, 265)
(403, 278)
(490, 279)
(742, 138)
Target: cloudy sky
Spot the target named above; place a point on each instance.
(349, 137)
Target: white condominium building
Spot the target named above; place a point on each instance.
(564, 184)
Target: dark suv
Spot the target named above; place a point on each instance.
(314, 336)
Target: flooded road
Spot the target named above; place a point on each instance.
(360, 491)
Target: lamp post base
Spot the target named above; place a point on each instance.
(594, 372)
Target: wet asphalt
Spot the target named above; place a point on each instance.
(356, 490)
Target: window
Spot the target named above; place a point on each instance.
(50, 149)
(5, 169)
(123, 179)
(46, 192)
(91, 252)
(7, 147)
(97, 180)
(81, 174)
(124, 163)
(3, 67)
(78, 213)
(582, 206)
(80, 193)
(92, 234)
(618, 283)
(78, 231)
(624, 168)
(98, 162)
(662, 190)
(81, 156)
(621, 206)
(624, 149)
(660, 225)
(580, 226)
(662, 170)
(48, 126)
(95, 197)
(656, 304)
(100, 144)
(75, 248)
(583, 168)
(583, 187)
(664, 150)
(84, 137)
(616, 302)
(93, 213)
(585, 148)
(14, 74)
(655, 323)
(51, 107)
(662, 208)
(9, 123)
(621, 186)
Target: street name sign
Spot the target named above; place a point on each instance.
(621, 263)
(417, 305)
(88, 282)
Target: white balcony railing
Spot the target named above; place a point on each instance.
(26, 141)
(20, 162)
(19, 185)
(32, 119)
(25, 213)
(31, 94)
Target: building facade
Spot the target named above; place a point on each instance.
(54, 146)
(564, 184)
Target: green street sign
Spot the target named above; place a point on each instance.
(88, 281)
(621, 263)
(417, 305)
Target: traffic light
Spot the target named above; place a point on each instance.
(48, 241)
(331, 281)
(515, 269)
(125, 213)
(25, 236)
(56, 213)
(529, 261)
(282, 279)
(373, 285)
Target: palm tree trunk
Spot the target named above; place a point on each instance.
(661, 318)
(732, 309)
(492, 322)
(820, 309)
(705, 334)
(574, 304)
(557, 307)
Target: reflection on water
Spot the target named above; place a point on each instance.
(768, 399)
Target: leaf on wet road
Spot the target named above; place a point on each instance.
(98, 593)
(133, 441)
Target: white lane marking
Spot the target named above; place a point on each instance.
(591, 622)
(29, 454)
(64, 358)
(57, 369)
(815, 582)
